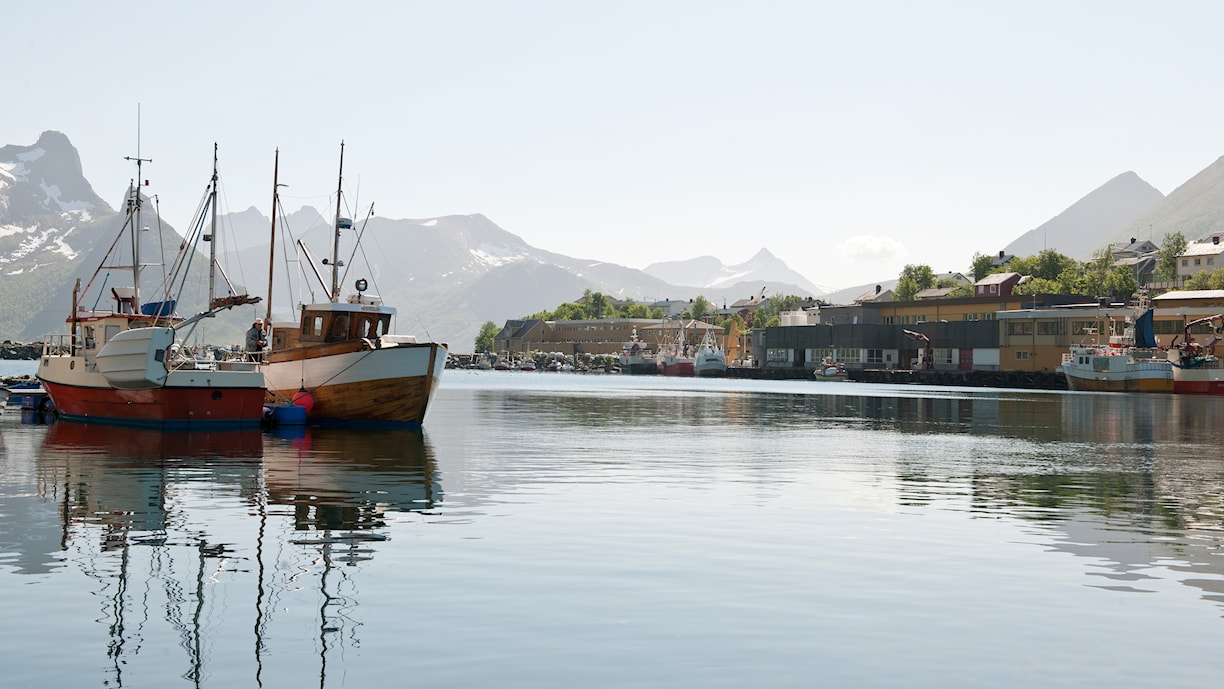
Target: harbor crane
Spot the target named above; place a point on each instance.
(928, 354)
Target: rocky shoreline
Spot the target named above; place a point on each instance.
(19, 351)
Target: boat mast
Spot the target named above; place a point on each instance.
(335, 288)
(212, 236)
(272, 244)
(134, 204)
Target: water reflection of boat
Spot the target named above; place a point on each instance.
(338, 479)
(148, 448)
(192, 537)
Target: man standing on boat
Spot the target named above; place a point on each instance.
(255, 337)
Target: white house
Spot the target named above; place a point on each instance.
(1200, 256)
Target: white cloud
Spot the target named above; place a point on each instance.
(865, 246)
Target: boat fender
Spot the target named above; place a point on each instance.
(303, 399)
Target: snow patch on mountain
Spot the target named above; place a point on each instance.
(49, 239)
(494, 256)
(53, 194)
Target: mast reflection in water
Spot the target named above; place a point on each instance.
(171, 582)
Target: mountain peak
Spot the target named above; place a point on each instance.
(44, 178)
(1089, 223)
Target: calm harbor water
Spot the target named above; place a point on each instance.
(611, 531)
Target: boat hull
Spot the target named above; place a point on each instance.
(188, 398)
(678, 367)
(710, 367)
(387, 386)
(163, 407)
(1102, 369)
(639, 366)
(1123, 384)
(1197, 375)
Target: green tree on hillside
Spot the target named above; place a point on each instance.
(596, 303)
(914, 279)
(636, 310)
(1200, 280)
(1171, 247)
(484, 339)
(768, 313)
(699, 309)
(1047, 265)
(571, 311)
(983, 265)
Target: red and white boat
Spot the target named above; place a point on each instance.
(677, 358)
(122, 365)
(1196, 368)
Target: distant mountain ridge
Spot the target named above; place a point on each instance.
(445, 275)
(709, 272)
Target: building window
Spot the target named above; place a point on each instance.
(1210, 260)
(1198, 261)
(1022, 356)
(943, 355)
(920, 319)
(850, 356)
(875, 356)
(1049, 327)
(1185, 262)
(1019, 327)
(1079, 328)
(816, 354)
(777, 355)
(1168, 327)
(886, 320)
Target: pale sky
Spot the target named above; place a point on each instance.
(848, 138)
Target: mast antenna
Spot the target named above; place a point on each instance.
(135, 215)
(335, 286)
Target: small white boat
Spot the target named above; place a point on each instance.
(830, 370)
